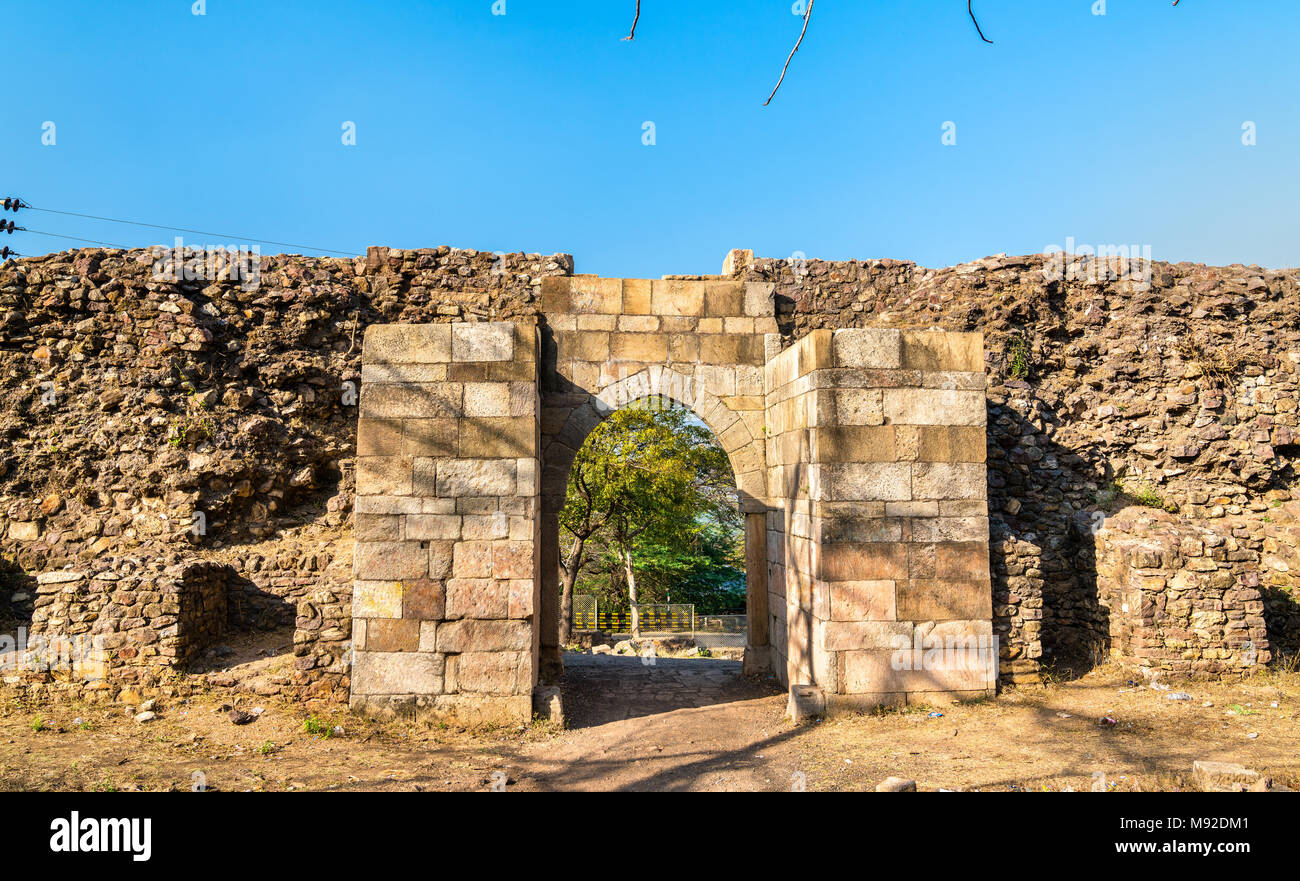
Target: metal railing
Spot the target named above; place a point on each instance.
(653, 618)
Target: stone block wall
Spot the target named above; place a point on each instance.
(322, 636)
(201, 612)
(878, 532)
(700, 342)
(445, 564)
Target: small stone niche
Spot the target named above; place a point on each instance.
(201, 618)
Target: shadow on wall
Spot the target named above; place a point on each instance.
(1282, 618)
(1046, 612)
(17, 597)
(249, 607)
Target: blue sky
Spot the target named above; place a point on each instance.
(524, 131)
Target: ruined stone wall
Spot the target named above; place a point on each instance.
(170, 398)
(1182, 390)
(133, 402)
(1199, 598)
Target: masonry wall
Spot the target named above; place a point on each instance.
(1198, 599)
(877, 481)
(1173, 381)
(700, 343)
(445, 558)
(1186, 386)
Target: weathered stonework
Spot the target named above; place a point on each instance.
(1188, 599)
(134, 403)
(445, 561)
(878, 525)
(858, 459)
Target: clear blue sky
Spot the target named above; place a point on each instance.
(524, 131)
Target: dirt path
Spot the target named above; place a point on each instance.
(676, 725)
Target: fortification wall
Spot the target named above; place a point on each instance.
(134, 402)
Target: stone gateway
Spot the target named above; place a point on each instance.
(858, 455)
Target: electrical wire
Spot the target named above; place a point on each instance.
(183, 229)
(56, 235)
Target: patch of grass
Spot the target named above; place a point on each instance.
(1019, 356)
(38, 724)
(268, 747)
(105, 785)
(317, 727)
(1143, 493)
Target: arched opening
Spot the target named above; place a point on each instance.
(658, 595)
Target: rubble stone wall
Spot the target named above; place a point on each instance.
(134, 401)
(1187, 598)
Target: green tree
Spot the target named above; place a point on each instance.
(652, 493)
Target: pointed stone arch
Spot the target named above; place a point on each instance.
(859, 454)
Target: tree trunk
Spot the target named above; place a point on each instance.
(631, 592)
(568, 575)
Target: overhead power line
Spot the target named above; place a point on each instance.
(199, 232)
(55, 235)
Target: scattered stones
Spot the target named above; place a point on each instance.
(1228, 777)
(896, 784)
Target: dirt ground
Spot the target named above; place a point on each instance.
(675, 725)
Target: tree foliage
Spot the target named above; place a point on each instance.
(651, 513)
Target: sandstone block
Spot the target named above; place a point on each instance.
(498, 438)
(419, 401)
(941, 480)
(476, 477)
(495, 672)
(922, 406)
(486, 341)
(424, 600)
(868, 348)
(860, 635)
(862, 600)
(407, 343)
(380, 673)
(390, 560)
(472, 559)
(472, 635)
(377, 599)
(392, 635)
(932, 350)
(512, 559)
(921, 599)
(477, 598)
(487, 399)
(878, 481)
(433, 527)
(384, 475)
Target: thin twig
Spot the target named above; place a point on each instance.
(634, 21)
(971, 10)
(806, 16)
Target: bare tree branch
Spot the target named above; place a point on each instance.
(970, 8)
(979, 30)
(806, 16)
(637, 18)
